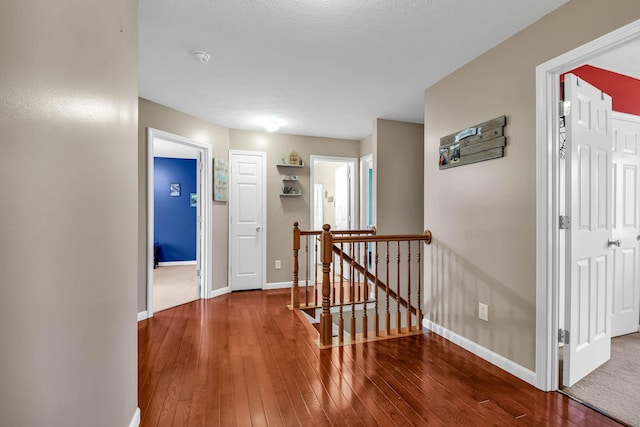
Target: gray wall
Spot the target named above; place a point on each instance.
(282, 212)
(68, 228)
(483, 215)
(153, 115)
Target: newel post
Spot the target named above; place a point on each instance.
(295, 294)
(326, 256)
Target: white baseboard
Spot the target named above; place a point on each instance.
(494, 358)
(135, 421)
(219, 292)
(277, 285)
(143, 315)
(174, 263)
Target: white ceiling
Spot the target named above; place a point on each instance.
(323, 67)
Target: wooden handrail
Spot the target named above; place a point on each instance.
(297, 233)
(336, 232)
(426, 236)
(359, 280)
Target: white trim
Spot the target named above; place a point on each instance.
(176, 263)
(219, 292)
(264, 211)
(143, 315)
(277, 285)
(355, 213)
(205, 177)
(494, 358)
(547, 241)
(135, 421)
(625, 117)
(364, 187)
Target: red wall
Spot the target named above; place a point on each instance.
(624, 90)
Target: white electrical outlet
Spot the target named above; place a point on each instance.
(278, 264)
(483, 312)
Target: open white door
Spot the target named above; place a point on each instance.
(247, 222)
(343, 197)
(626, 219)
(589, 271)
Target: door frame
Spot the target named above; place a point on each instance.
(203, 236)
(364, 189)
(354, 187)
(263, 155)
(547, 204)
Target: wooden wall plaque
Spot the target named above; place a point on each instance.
(478, 143)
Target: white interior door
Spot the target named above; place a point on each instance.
(589, 206)
(247, 210)
(626, 175)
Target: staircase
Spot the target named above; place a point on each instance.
(370, 282)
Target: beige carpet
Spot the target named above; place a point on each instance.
(174, 285)
(615, 386)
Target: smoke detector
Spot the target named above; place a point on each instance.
(202, 56)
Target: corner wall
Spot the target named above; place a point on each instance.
(68, 222)
(173, 121)
(398, 149)
(483, 215)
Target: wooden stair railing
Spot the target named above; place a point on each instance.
(363, 296)
(297, 237)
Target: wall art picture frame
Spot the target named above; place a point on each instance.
(193, 200)
(174, 189)
(220, 179)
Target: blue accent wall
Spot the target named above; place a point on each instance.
(174, 218)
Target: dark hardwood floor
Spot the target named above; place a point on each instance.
(245, 359)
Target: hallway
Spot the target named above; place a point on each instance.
(245, 359)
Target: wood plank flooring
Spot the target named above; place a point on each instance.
(244, 359)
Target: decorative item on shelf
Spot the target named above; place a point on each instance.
(290, 177)
(294, 159)
(290, 191)
(220, 180)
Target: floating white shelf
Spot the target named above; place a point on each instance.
(301, 165)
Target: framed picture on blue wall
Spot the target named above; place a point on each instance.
(193, 200)
(174, 190)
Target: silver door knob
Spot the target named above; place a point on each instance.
(258, 229)
(613, 243)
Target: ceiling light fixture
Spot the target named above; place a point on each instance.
(271, 124)
(202, 56)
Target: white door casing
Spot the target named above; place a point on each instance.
(204, 191)
(589, 270)
(247, 210)
(626, 218)
(547, 209)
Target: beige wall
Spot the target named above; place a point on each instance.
(153, 115)
(282, 212)
(483, 215)
(398, 149)
(68, 228)
(366, 145)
